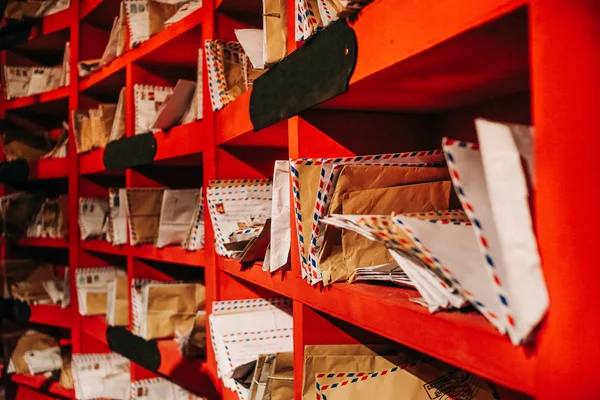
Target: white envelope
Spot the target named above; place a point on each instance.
(176, 215)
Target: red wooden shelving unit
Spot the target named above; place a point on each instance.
(424, 70)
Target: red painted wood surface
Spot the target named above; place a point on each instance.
(43, 385)
(425, 69)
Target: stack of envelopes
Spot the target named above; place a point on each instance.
(159, 389)
(240, 212)
(242, 331)
(101, 375)
(92, 286)
(486, 254)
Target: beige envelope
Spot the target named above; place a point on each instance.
(172, 308)
(358, 251)
(424, 381)
(362, 252)
(82, 130)
(348, 358)
(280, 383)
(121, 304)
(30, 341)
(159, 13)
(144, 207)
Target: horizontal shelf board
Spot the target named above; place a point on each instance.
(175, 46)
(52, 315)
(39, 100)
(95, 327)
(170, 254)
(100, 13)
(42, 384)
(175, 145)
(49, 168)
(446, 57)
(102, 246)
(464, 339)
(107, 81)
(42, 242)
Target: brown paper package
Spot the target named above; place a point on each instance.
(144, 207)
(30, 342)
(121, 311)
(359, 251)
(195, 346)
(173, 308)
(280, 384)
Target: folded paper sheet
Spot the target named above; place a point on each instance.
(162, 310)
(280, 216)
(92, 288)
(238, 205)
(242, 330)
(159, 389)
(101, 375)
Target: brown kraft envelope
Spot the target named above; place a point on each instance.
(172, 307)
(314, 365)
(30, 341)
(26, 283)
(22, 9)
(424, 380)
(315, 358)
(280, 383)
(423, 197)
(121, 311)
(362, 177)
(26, 145)
(144, 207)
(275, 17)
